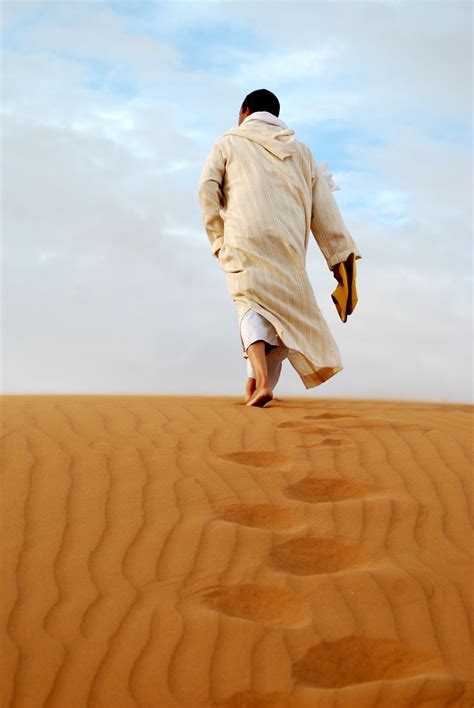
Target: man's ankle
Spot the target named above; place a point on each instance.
(263, 384)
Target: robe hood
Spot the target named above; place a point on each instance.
(279, 141)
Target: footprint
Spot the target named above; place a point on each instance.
(260, 603)
(256, 458)
(364, 423)
(356, 659)
(327, 442)
(265, 516)
(290, 424)
(333, 442)
(309, 556)
(328, 489)
(302, 428)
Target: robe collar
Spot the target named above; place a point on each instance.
(268, 131)
(266, 117)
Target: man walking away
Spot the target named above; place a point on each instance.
(261, 195)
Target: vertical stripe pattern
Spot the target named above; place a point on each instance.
(262, 195)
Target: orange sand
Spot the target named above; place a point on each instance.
(193, 551)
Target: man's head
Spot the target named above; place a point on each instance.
(259, 100)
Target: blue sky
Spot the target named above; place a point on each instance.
(109, 111)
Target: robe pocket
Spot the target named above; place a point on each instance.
(230, 260)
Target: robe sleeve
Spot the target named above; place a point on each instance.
(211, 197)
(327, 224)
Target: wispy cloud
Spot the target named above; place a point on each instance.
(108, 112)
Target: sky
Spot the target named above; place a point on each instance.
(109, 110)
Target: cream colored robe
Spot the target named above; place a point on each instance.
(261, 195)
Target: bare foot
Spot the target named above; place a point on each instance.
(250, 388)
(260, 397)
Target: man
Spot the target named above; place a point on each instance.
(261, 194)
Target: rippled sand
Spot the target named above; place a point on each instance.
(193, 551)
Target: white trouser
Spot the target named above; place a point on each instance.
(254, 327)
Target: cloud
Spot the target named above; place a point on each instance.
(108, 113)
(280, 66)
(392, 48)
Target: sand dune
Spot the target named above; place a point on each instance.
(192, 551)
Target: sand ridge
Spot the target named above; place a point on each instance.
(167, 551)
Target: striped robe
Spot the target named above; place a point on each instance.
(261, 195)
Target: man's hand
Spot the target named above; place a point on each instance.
(336, 274)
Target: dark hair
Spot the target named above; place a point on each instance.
(262, 100)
